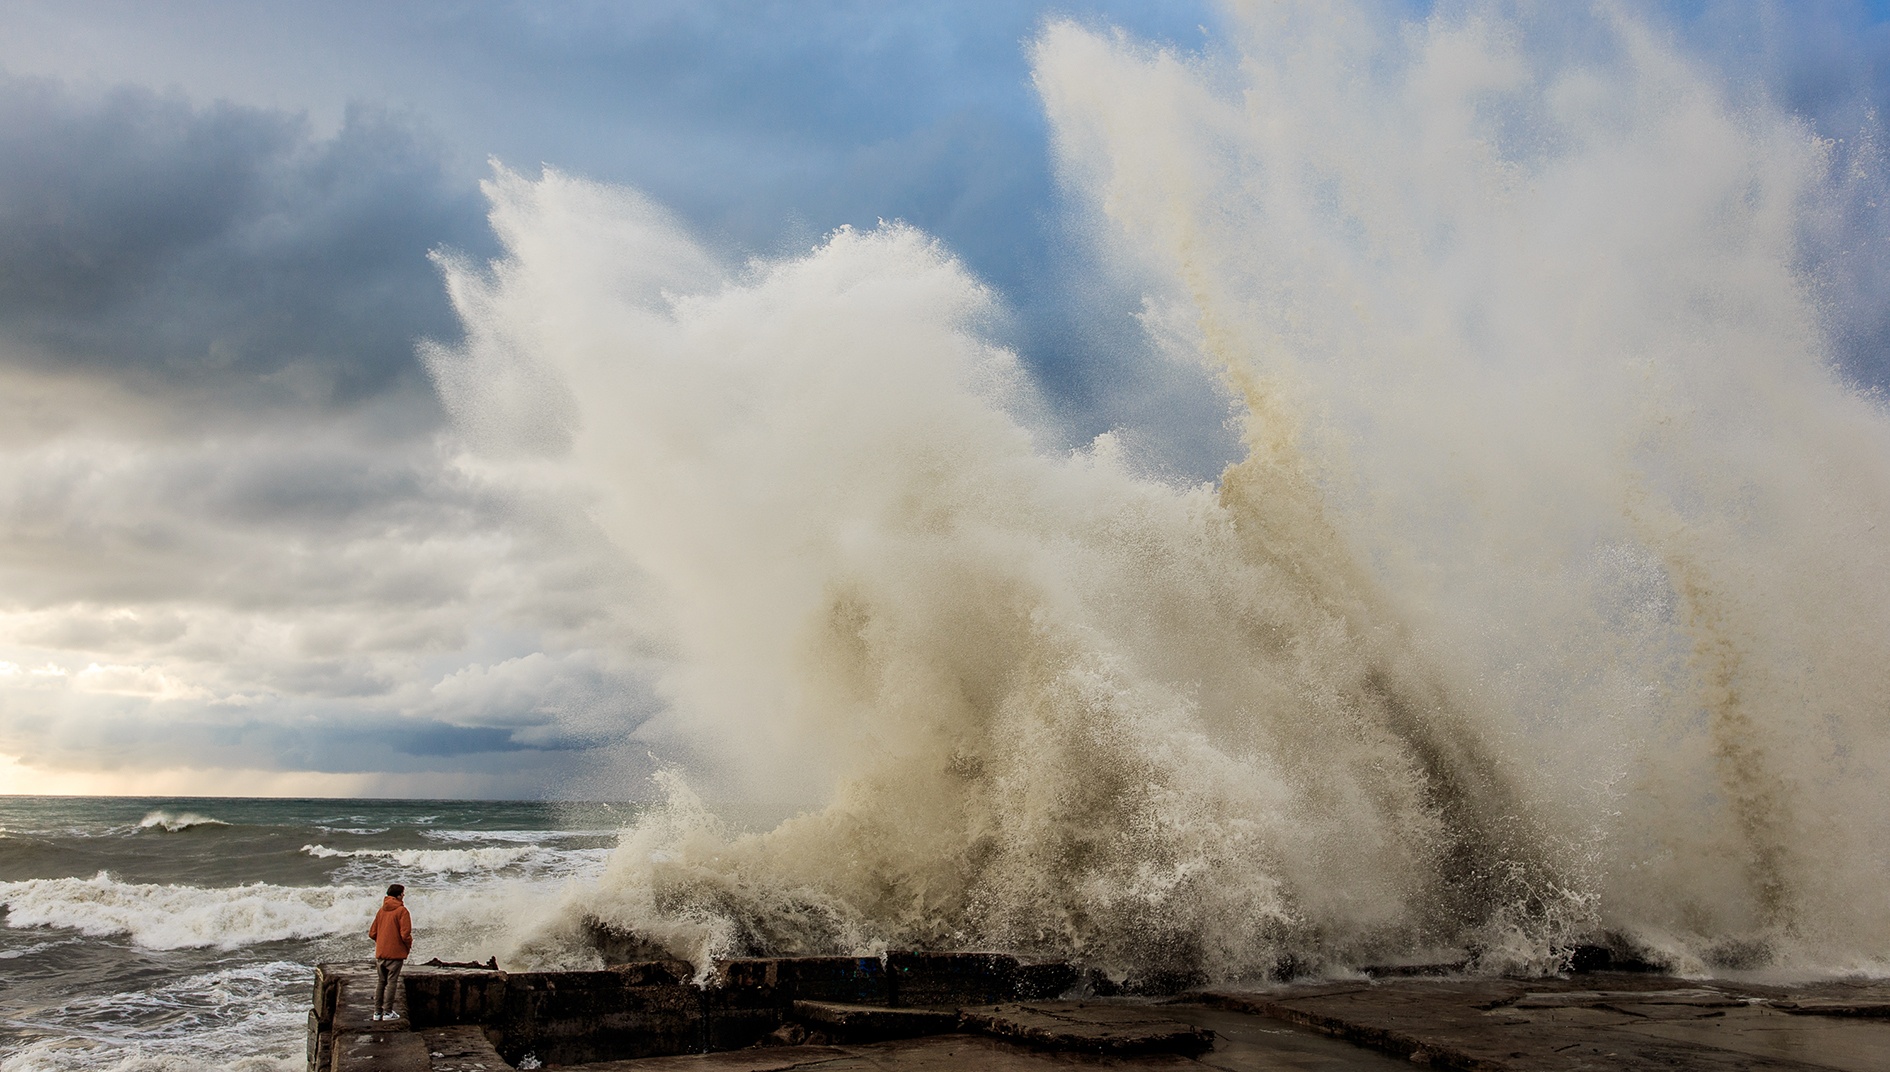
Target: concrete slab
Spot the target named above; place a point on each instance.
(356, 1042)
(352, 984)
(352, 993)
(1090, 1027)
(871, 1023)
(381, 1051)
(766, 1059)
(937, 1053)
(1686, 997)
(1244, 1043)
(461, 1048)
(1576, 1026)
(1846, 1044)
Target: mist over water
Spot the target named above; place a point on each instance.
(1548, 600)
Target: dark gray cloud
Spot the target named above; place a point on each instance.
(221, 250)
(763, 125)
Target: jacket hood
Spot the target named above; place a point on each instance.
(388, 904)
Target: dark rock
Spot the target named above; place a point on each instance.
(1288, 967)
(653, 972)
(1095, 983)
(789, 1034)
(618, 945)
(1611, 952)
(1741, 954)
(1163, 983)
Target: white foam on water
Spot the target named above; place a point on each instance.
(70, 1055)
(443, 861)
(454, 918)
(493, 861)
(176, 823)
(240, 1019)
(177, 917)
(33, 950)
(1550, 596)
(527, 836)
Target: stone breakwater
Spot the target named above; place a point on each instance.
(651, 1008)
(991, 1011)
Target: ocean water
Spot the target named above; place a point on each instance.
(1545, 601)
(171, 934)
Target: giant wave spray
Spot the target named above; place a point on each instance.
(1547, 600)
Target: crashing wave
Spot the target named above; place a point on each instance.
(177, 823)
(1546, 601)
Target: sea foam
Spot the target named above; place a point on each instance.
(1548, 601)
(443, 861)
(240, 1019)
(176, 917)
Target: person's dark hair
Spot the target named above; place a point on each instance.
(396, 890)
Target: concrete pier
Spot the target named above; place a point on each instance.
(935, 1011)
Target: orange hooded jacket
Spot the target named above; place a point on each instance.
(392, 931)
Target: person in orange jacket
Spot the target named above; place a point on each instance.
(392, 931)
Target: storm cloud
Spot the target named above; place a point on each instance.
(234, 530)
(238, 530)
(221, 250)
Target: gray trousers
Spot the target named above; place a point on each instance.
(386, 982)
